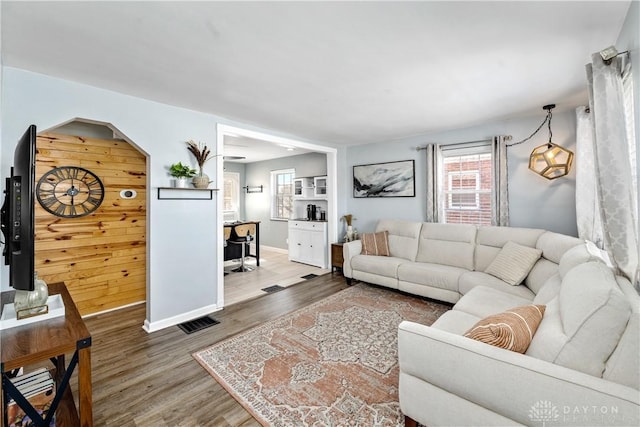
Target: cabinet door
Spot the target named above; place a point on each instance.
(295, 244)
(320, 186)
(317, 248)
(297, 187)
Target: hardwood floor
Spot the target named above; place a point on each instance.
(275, 269)
(142, 379)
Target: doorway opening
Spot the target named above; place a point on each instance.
(229, 133)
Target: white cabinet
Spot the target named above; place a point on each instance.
(308, 242)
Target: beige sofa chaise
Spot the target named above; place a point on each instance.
(582, 366)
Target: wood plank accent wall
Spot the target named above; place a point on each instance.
(102, 256)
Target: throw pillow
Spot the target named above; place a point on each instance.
(375, 243)
(512, 330)
(513, 263)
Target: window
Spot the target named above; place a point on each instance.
(465, 182)
(463, 189)
(282, 197)
(231, 194)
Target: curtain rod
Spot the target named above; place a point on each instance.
(424, 147)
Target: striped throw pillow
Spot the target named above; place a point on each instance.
(512, 330)
(375, 243)
(513, 263)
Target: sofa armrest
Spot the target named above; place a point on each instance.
(349, 250)
(514, 385)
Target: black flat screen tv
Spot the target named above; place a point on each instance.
(17, 215)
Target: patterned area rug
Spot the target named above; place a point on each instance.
(333, 363)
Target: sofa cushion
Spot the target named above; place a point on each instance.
(455, 322)
(578, 255)
(512, 329)
(447, 244)
(513, 263)
(375, 243)
(555, 245)
(436, 275)
(378, 265)
(623, 366)
(490, 239)
(471, 279)
(583, 324)
(403, 237)
(549, 291)
(483, 301)
(542, 270)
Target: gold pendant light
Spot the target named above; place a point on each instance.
(550, 160)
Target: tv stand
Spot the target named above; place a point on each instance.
(51, 340)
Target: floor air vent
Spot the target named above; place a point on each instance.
(274, 288)
(309, 276)
(197, 324)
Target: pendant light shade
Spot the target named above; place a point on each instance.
(550, 160)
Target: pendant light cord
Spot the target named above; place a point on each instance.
(546, 120)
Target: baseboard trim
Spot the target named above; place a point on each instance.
(150, 327)
(114, 309)
(271, 248)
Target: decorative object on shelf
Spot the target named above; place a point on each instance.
(70, 191)
(181, 173)
(253, 188)
(392, 179)
(549, 160)
(202, 153)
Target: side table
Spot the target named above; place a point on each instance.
(336, 257)
(51, 340)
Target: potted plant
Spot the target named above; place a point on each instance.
(202, 154)
(181, 173)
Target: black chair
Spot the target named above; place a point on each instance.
(245, 233)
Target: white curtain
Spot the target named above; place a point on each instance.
(587, 199)
(605, 192)
(433, 208)
(500, 202)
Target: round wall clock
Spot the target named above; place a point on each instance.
(70, 191)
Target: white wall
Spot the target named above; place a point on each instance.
(258, 205)
(534, 201)
(181, 237)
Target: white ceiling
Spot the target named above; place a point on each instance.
(250, 150)
(335, 72)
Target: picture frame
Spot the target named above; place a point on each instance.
(390, 179)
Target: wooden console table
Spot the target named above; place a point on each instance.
(51, 340)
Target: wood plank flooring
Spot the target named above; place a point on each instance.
(275, 269)
(142, 379)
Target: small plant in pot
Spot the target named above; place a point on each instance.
(182, 174)
(202, 153)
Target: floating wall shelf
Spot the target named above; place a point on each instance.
(175, 193)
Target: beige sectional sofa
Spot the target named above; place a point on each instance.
(582, 366)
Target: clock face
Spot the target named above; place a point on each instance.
(70, 191)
